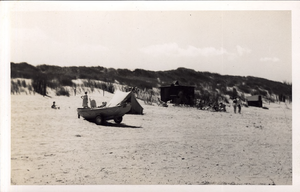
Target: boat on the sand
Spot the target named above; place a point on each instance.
(115, 110)
(102, 114)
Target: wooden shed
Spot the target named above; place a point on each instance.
(178, 94)
(255, 100)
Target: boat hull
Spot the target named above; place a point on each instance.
(106, 113)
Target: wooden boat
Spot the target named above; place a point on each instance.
(101, 114)
(115, 109)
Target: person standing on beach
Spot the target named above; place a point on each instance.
(234, 105)
(85, 100)
(237, 103)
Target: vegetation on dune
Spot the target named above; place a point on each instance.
(99, 85)
(23, 70)
(62, 92)
(18, 87)
(207, 85)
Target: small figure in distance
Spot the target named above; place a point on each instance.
(222, 107)
(85, 100)
(103, 104)
(239, 104)
(234, 104)
(54, 106)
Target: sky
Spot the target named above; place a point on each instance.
(245, 43)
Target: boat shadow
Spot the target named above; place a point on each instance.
(121, 125)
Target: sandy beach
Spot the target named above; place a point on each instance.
(165, 146)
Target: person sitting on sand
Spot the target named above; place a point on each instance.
(85, 100)
(222, 107)
(54, 106)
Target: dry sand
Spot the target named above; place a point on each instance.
(174, 145)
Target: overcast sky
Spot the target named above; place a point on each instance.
(245, 43)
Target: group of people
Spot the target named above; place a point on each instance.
(84, 102)
(237, 105)
(216, 106)
(93, 104)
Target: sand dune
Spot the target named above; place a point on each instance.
(174, 145)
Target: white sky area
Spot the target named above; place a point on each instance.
(245, 43)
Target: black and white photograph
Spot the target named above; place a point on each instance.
(110, 96)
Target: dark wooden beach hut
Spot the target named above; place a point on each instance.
(178, 94)
(255, 100)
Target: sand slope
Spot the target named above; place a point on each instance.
(174, 145)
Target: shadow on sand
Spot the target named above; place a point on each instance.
(121, 125)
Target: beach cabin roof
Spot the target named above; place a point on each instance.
(254, 98)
